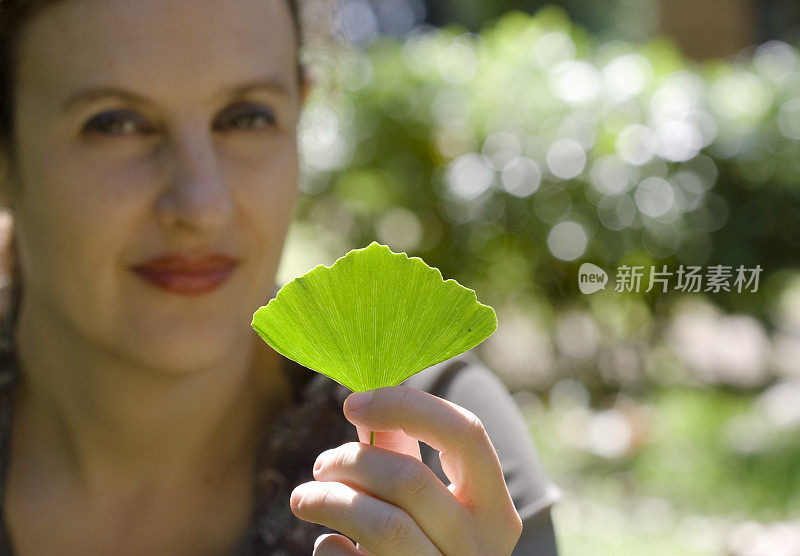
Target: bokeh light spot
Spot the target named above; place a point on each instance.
(400, 229)
(457, 63)
(576, 83)
(789, 119)
(654, 197)
(610, 175)
(567, 241)
(566, 158)
(469, 176)
(626, 76)
(521, 176)
(636, 144)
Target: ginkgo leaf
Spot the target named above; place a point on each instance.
(373, 318)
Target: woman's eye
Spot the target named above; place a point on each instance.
(117, 122)
(246, 117)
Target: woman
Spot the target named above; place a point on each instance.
(150, 162)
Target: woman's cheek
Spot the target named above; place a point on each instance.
(268, 180)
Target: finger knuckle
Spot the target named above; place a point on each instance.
(405, 398)
(328, 497)
(462, 532)
(339, 459)
(472, 430)
(508, 532)
(394, 526)
(516, 526)
(413, 478)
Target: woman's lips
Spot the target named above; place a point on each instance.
(184, 275)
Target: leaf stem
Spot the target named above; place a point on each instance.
(371, 438)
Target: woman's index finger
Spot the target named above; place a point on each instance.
(443, 425)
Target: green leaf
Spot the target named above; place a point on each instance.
(373, 318)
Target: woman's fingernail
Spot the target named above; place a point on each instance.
(358, 400)
(297, 496)
(320, 459)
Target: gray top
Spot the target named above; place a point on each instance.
(466, 381)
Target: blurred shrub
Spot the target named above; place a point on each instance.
(508, 158)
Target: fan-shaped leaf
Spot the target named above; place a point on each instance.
(373, 318)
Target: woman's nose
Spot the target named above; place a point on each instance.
(196, 197)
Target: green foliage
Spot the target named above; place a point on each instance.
(695, 458)
(703, 460)
(473, 150)
(373, 318)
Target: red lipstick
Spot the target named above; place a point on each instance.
(187, 275)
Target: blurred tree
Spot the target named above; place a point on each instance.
(778, 20)
(625, 19)
(711, 28)
(508, 158)
(702, 29)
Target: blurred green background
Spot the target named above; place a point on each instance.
(507, 143)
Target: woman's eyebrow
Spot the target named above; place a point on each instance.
(272, 85)
(87, 96)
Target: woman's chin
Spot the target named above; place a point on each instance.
(189, 350)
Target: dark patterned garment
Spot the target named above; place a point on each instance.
(315, 423)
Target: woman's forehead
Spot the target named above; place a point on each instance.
(158, 47)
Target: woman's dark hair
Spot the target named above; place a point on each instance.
(14, 14)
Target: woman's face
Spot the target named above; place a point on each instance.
(154, 129)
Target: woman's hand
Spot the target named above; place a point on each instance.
(390, 503)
